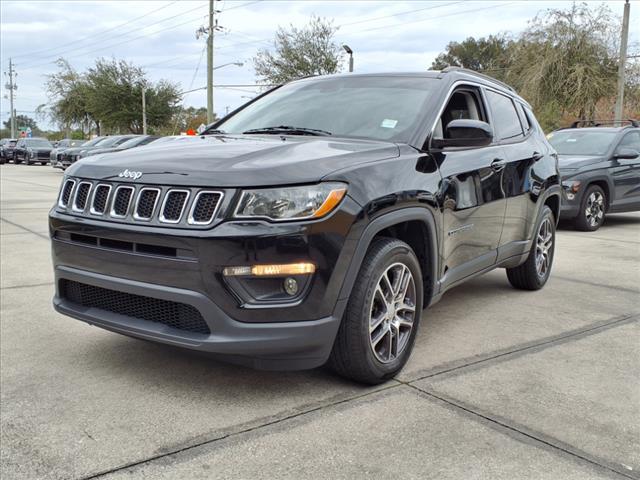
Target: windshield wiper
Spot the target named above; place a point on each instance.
(289, 130)
(213, 131)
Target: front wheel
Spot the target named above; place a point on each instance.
(534, 273)
(592, 210)
(380, 324)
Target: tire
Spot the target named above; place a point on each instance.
(592, 210)
(354, 356)
(530, 275)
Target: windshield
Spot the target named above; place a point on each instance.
(111, 141)
(76, 143)
(383, 108)
(581, 142)
(94, 142)
(135, 141)
(37, 142)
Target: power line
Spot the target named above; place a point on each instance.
(35, 52)
(399, 14)
(137, 29)
(173, 27)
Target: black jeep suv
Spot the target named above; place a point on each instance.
(600, 168)
(312, 224)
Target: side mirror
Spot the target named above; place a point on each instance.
(626, 153)
(465, 133)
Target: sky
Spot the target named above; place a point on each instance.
(160, 36)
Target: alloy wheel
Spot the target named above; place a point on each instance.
(544, 244)
(594, 210)
(392, 312)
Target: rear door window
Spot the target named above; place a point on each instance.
(504, 115)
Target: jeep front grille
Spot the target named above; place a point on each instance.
(132, 203)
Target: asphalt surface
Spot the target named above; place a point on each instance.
(502, 384)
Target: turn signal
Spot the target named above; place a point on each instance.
(270, 270)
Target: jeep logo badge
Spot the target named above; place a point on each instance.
(130, 174)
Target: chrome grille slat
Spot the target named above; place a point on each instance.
(81, 196)
(121, 201)
(146, 203)
(65, 193)
(204, 208)
(100, 199)
(173, 205)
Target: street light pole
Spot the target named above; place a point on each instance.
(619, 109)
(144, 112)
(210, 63)
(350, 52)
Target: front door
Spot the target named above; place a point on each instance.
(625, 174)
(472, 199)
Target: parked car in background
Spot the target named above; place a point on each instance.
(3, 142)
(137, 141)
(32, 150)
(600, 168)
(72, 154)
(61, 146)
(6, 151)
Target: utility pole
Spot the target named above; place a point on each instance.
(210, 62)
(144, 112)
(11, 86)
(623, 60)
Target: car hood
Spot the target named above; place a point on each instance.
(242, 160)
(574, 162)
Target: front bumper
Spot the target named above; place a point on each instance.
(571, 200)
(298, 335)
(275, 345)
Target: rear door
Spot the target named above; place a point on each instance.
(515, 133)
(625, 174)
(473, 202)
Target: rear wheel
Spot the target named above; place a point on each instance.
(592, 209)
(534, 273)
(379, 327)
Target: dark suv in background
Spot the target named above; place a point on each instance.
(600, 168)
(314, 223)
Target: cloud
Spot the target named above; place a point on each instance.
(160, 35)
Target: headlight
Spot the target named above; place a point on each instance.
(291, 203)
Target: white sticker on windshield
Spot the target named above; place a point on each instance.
(571, 140)
(388, 123)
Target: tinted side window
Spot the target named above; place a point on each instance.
(505, 117)
(524, 119)
(631, 140)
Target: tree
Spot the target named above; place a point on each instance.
(109, 97)
(488, 54)
(23, 121)
(69, 92)
(299, 52)
(116, 96)
(566, 62)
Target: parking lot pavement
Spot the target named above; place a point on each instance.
(501, 384)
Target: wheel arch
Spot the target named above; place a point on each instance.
(416, 226)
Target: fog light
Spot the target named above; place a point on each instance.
(570, 196)
(290, 286)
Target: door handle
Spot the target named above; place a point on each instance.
(536, 156)
(498, 164)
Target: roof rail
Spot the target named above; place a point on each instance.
(600, 123)
(453, 68)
